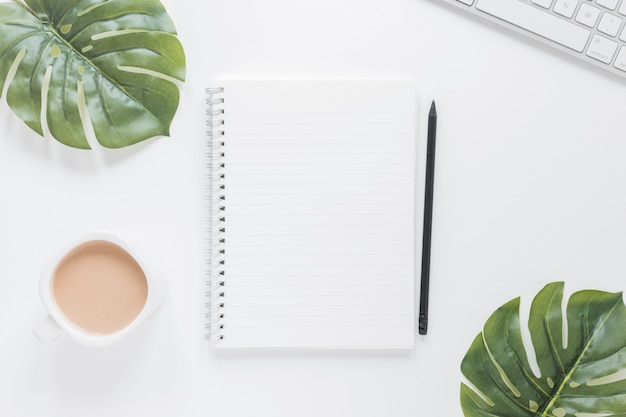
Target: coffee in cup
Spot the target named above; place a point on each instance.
(97, 290)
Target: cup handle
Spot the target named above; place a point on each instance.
(48, 330)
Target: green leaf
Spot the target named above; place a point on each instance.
(582, 370)
(114, 65)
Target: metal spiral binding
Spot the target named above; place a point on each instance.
(216, 281)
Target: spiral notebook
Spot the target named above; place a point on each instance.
(311, 213)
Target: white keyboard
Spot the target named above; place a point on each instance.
(592, 30)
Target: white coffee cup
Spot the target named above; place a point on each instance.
(97, 290)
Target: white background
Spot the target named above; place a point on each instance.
(530, 188)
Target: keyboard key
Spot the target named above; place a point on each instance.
(610, 24)
(543, 3)
(588, 15)
(620, 61)
(622, 8)
(537, 21)
(609, 4)
(468, 2)
(565, 7)
(602, 49)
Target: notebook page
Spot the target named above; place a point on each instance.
(319, 217)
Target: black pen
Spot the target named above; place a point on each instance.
(428, 218)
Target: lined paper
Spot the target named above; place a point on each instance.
(319, 213)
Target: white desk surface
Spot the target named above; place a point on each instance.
(530, 188)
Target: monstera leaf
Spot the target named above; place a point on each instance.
(581, 359)
(74, 65)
